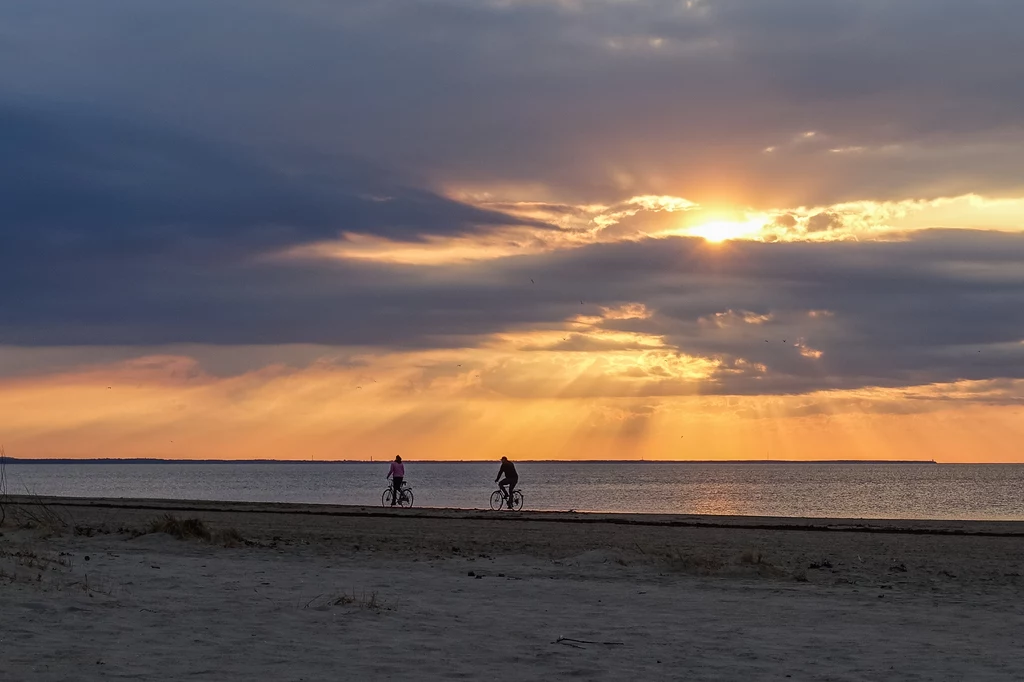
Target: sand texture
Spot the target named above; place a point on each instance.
(93, 590)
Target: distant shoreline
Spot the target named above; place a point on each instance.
(156, 460)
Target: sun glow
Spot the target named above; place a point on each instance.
(722, 230)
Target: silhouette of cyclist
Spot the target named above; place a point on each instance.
(508, 470)
(397, 475)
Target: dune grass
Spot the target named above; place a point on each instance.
(194, 529)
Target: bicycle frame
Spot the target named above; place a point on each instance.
(504, 497)
(401, 495)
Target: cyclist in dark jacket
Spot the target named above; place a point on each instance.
(508, 470)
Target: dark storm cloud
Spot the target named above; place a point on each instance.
(82, 186)
(126, 231)
(590, 98)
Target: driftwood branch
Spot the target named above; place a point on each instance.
(575, 643)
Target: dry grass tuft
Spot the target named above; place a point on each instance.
(354, 599)
(195, 529)
(31, 515)
(183, 529)
(748, 564)
(697, 564)
(754, 557)
(231, 538)
(38, 516)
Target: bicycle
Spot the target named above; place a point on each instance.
(405, 496)
(499, 499)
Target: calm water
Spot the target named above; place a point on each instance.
(992, 492)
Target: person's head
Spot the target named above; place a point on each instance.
(398, 458)
(504, 459)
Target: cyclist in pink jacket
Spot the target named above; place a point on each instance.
(397, 475)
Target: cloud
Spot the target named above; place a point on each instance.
(940, 306)
(820, 222)
(132, 235)
(109, 189)
(585, 99)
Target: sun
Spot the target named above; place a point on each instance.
(718, 231)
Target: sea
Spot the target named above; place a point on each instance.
(823, 490)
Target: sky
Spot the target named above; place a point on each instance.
(544, 229)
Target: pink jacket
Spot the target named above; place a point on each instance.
(397, 470)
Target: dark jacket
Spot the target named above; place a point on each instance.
(508, 470)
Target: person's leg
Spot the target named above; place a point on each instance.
(511, 488)
(396, 488)
(502, 485)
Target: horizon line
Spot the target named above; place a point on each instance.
(165, 460)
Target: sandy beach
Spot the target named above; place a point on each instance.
(95, 590)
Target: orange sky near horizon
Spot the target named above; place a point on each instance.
(426, 406)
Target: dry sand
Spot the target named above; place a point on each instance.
(334, 593)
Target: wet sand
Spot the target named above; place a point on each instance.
(309, 592)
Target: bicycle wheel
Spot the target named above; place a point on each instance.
(517, 500)
(386, 497)
(405, 499)
(497, 500)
